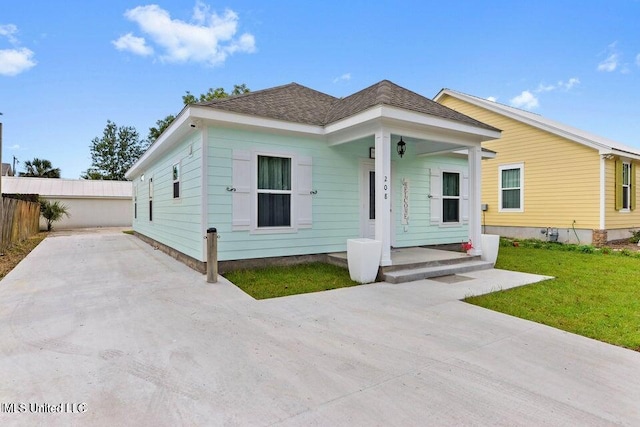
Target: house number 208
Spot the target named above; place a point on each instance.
(386, 187)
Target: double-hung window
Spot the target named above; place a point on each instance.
(625, 194)
(450, 197)
(511, 188)
(274, 191)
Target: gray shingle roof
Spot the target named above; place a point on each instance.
(389, 93)
(300, 104)
(291, 102)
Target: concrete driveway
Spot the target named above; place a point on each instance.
(125, 335)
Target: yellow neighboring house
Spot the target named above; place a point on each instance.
(551, 181)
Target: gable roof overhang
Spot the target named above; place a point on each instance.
(444, 130)
(194, 117)
(604, 146)
(429, 129)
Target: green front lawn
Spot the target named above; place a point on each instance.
(596, 295)
(272, 282)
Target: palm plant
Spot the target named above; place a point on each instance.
(52, 212)
(40, 168)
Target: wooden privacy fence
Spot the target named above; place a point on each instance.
(20, 220)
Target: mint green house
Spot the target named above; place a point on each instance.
(290, 171)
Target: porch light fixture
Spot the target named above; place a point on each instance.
(402, 147)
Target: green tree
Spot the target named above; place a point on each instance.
(114, 153)
(212, 94)
(189, 98)
(162, 124)
(52, 212)
(40, 168)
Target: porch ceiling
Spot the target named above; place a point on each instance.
(420, 147)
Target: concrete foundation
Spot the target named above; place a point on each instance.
(619, 234)
(197, 265)
(565, 235)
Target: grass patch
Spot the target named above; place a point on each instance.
(595, 293)
(130, 232)
(273, 282)
(13, 255)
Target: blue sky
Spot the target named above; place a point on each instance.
(67, 67)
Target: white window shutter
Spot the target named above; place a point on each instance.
(305, 187)
(241, 198)
(435, 195)
(464, 199)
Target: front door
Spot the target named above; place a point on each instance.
(368, 200)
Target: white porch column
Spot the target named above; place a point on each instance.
(475, 199)
(383, 193)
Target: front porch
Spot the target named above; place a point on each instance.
(417, 263)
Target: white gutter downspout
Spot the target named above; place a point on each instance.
(603, 198)
(204, 199)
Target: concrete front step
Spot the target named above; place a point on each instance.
(443, 259)
(412, 274)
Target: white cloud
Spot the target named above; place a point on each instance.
(573, 81)
(133, 44)
(525, 100)
(16, 60)
(638, 60)
(612, 60)
(610, 64)
(561, 85)
(200, 12)
(545, 88)
(343, 78)
(492, 99)
(208, 38)
(8, 31)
